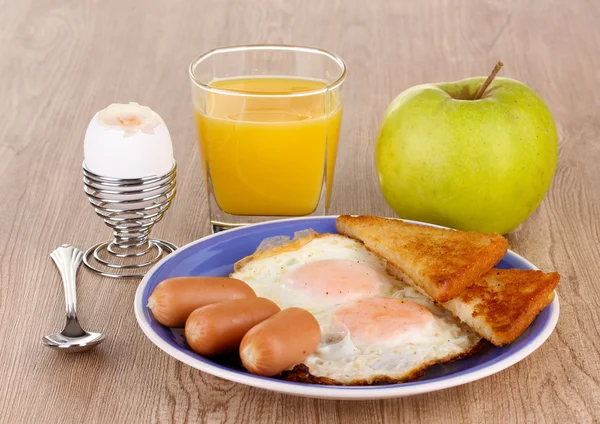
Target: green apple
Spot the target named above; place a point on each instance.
(482, 165)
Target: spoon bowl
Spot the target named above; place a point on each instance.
(72, 344)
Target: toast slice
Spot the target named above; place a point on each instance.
(504, 302)
(441, 262)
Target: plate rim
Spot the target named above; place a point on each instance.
(335, 392)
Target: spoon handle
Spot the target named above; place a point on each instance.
(68, 259)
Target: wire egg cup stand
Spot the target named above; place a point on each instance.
(130, 207)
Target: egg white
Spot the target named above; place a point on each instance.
(338, 359)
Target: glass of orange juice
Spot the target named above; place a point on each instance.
(268, 120)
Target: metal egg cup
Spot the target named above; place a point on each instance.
(130, 207)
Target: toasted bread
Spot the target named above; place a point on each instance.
(441, 262)
(504, 302)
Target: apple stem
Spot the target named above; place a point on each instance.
(489, 80)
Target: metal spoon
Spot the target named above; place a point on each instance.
(73, 338)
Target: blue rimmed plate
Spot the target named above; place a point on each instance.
(215, 255)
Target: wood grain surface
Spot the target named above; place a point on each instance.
(62, 60)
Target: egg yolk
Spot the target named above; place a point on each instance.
(380, 320)
(130, 121)
(334, 281)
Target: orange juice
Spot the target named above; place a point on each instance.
(266, 153)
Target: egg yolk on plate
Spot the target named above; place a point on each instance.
(380, 320)
(333, 281)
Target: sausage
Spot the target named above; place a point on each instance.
(219, 328)
(174, 299)
(280, 342)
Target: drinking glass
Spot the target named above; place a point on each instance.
(268, 121)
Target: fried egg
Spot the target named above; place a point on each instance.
(374, 328)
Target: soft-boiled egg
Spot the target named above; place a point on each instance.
(128, 141)
(374, 328)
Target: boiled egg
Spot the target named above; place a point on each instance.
(128, 141)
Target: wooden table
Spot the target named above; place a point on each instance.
(63, 60)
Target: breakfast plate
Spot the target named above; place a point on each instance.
(215, 255)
